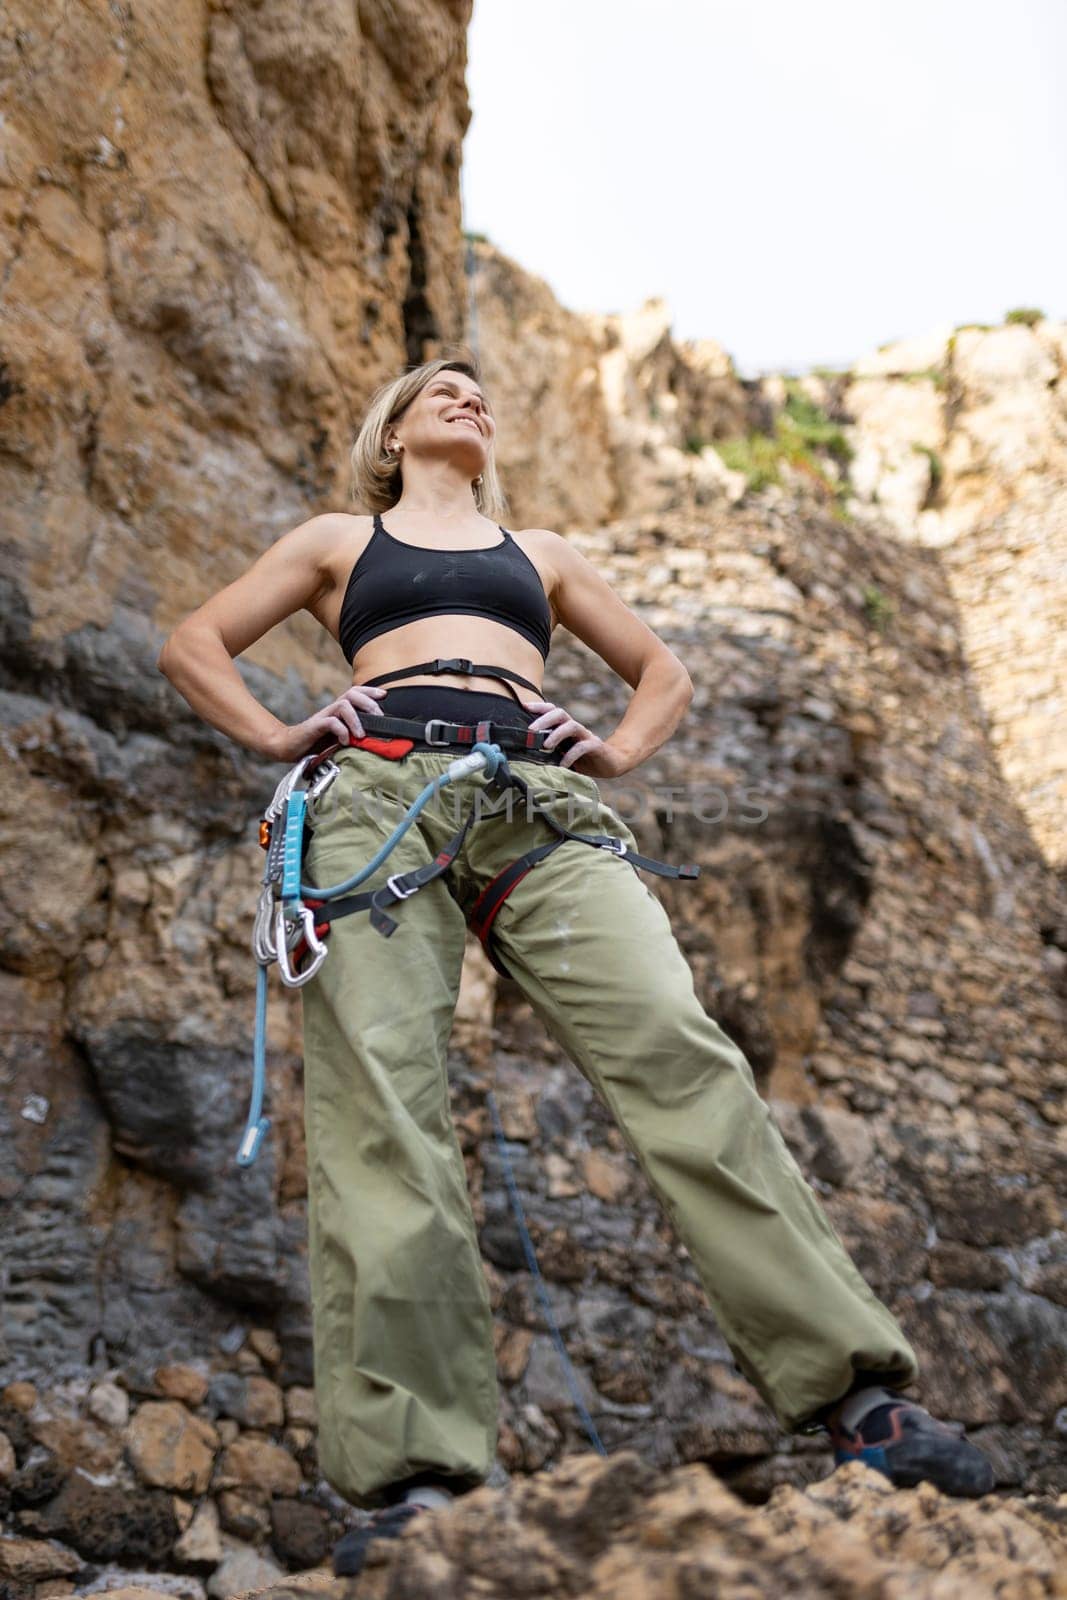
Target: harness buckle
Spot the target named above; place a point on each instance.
(453, 664)
(393, 885)
(435, 722)
(618, 847)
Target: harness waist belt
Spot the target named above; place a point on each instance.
(437, 734)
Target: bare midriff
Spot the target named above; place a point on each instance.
(476, 639)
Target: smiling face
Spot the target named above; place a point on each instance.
(448, 417)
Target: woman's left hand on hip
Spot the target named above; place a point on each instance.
(592, 756)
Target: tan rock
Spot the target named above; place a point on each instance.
(243, 1572)
(644, 1534)
(28, 1560)
(265, 1343)
(899, 425)
(253, 1459)
(109, 1404)
(472, 1020)
(184, 1511)
(8, 1463)
(512, 1351)
(78, 1441)
(170, 1448)
(608, 1177)
(23, 1396)
(243, 1513)
(128, 1591)
(300, 1406)
(182, 1383)
(518, 1111)
(264, 1403)
(561, 1179)
(201, 1542)
(902, 357)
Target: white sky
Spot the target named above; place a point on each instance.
(801, 180)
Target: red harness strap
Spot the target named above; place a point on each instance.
(483, 912)
(392, 749)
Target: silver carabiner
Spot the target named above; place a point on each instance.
(283, 934)
(283, 791)
(321, 782)
(262, 928)
(285, 788)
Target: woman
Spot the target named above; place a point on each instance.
(460, 609)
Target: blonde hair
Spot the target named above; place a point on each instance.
(376, 480)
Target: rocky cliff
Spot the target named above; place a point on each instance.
(221, 227)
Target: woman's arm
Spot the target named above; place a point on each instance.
(587, 604)
(198, 656)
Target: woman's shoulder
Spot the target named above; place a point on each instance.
(341, 530)
(342, 536)
(540, 538)
(550, 548)
(345, 522)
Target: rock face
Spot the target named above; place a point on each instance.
(962, 438)
(866, 576)
(599, 1529)
(220, 226)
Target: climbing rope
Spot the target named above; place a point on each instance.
(539, 1282)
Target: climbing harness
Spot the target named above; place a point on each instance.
(293, 918)
(482, 914)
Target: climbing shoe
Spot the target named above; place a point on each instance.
(350, 1552)
(903, 1441)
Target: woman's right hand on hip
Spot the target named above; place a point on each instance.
(341, 719)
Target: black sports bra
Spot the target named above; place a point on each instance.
(393, 583)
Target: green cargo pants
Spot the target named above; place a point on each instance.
(403, 1332)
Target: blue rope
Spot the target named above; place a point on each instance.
(539, 1282)
(493, 756)
(257, 1124)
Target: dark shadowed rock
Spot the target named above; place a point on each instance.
(112, 1522)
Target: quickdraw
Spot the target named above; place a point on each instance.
(293, 918)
